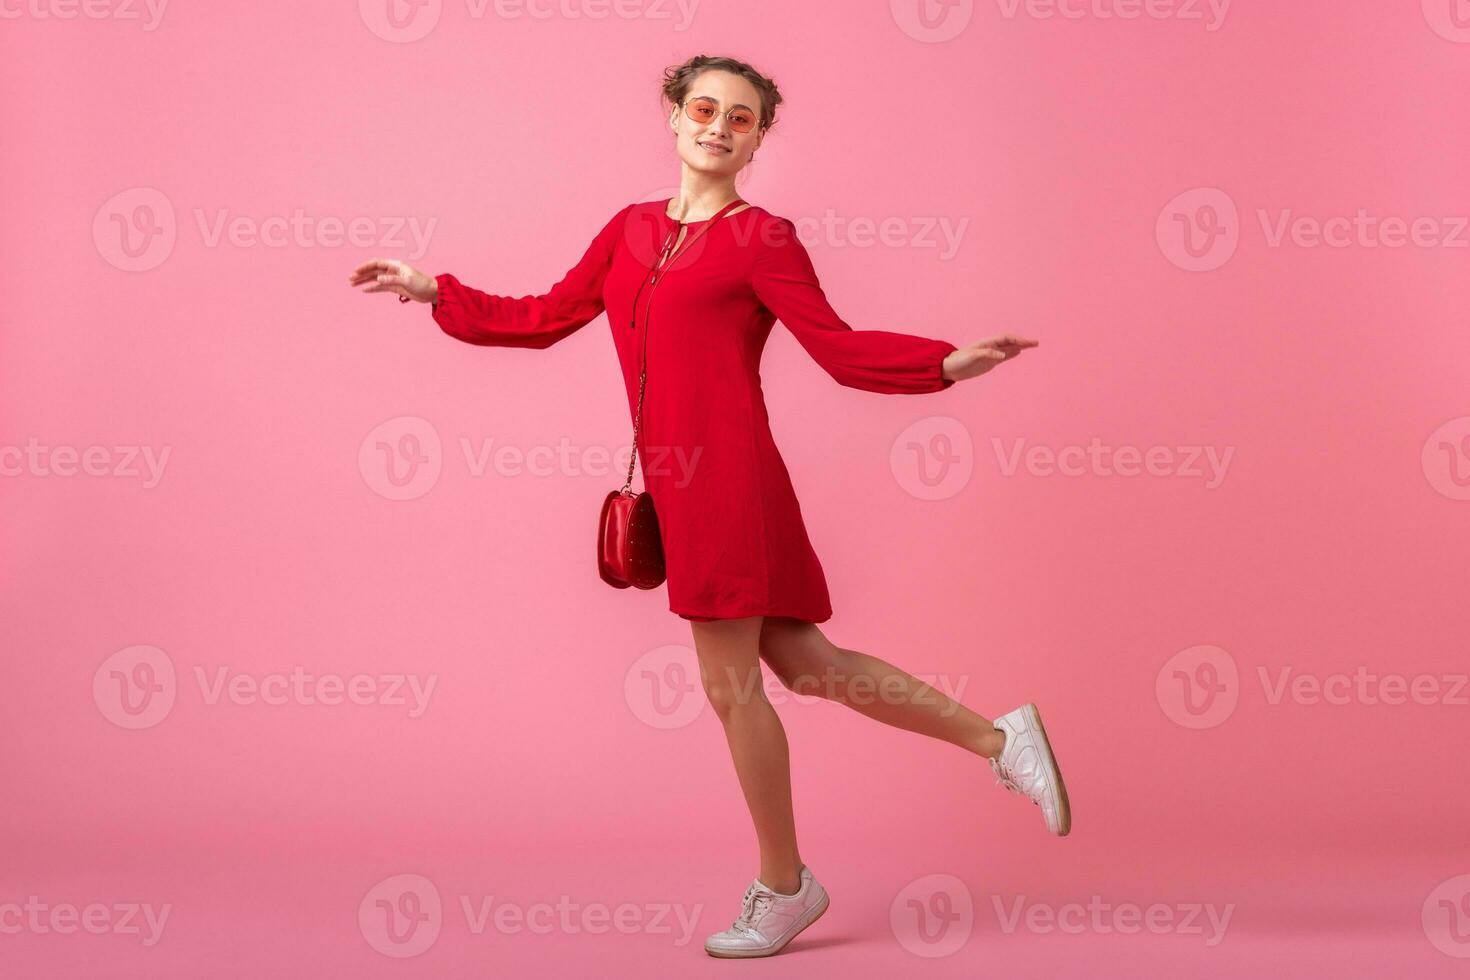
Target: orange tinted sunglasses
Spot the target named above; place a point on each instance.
(703, 110)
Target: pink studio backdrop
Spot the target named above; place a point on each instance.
(280, 626)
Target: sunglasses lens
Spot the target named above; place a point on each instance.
(741, 121)
(700, 110)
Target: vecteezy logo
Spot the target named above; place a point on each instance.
(135, 229)
(1198, 687)
(648, 232)
(645, 231)
(401, 916)
(399, 21)
(933, 458)
(933, 916)
(1446, 458)
(931, 21)
(1199, 229)
(1446, 917)
(1450, 19)
(135, 687)
(662, 687)
(401, 458)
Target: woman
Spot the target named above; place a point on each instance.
(739, 564)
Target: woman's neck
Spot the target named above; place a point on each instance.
(700, 200)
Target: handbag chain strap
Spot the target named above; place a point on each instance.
(665, 260)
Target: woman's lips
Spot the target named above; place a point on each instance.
(714, 148)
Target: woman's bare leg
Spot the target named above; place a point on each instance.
(808, 663)
(729, 667)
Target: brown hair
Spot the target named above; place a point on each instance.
(678, 78)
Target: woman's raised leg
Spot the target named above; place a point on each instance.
(729, 667)
(808, 663)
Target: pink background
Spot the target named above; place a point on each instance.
(1334, 544)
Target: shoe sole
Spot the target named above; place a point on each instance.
(1064, 806)
(812, 916)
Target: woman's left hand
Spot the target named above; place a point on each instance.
(981, 356)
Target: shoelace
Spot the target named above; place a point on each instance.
(752, 906)
(1012, 781)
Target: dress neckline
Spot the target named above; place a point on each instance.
(691, 224)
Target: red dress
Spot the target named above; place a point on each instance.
(734, 541)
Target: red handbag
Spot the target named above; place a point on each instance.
(629, 547)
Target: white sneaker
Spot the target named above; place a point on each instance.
(1027, 767)
(768, 920)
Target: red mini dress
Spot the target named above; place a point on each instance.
(734, 541)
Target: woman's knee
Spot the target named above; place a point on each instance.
(729, 665)
(804, 660)
(728, 687)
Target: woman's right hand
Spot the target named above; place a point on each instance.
(393, 276)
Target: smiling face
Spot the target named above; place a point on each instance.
(715, 147)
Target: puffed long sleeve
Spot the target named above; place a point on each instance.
(476, 317)
(872, 360)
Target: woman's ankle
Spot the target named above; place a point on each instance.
(990, 744)
(786, 882)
